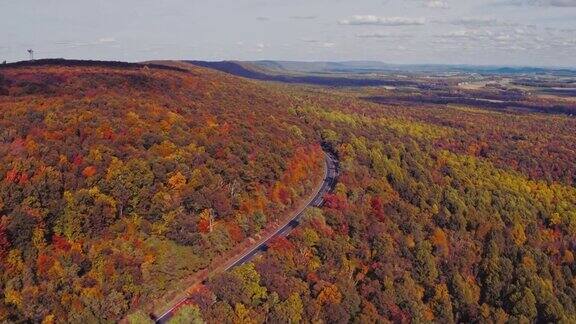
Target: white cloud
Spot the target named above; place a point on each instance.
(475, 21)
(303, 17)
(508, 38)
(469, 34)
(105, 40)
(359, 20)
(436, 4)
(260, 47)
(318, 43)
(543, 3)
(382, 35)
(375, 35)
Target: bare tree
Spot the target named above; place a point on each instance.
(31, 52)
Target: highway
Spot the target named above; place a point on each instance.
(330, 177)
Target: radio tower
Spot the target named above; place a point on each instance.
(31, 52)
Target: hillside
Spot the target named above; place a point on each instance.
(119, 180)
(442, 213)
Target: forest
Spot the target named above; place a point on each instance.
(441, 214)
(118, 182)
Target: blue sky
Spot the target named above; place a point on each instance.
(502, 32)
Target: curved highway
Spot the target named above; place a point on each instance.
(330, 175)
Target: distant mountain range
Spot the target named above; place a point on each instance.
(356, 67)
(361, 73)
(293, 72)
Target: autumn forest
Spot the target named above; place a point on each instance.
(121, 182)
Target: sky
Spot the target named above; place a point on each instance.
(478, 32)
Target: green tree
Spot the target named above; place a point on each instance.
(250, 279)
(425, 264)
(187, 314)
(523, 303)
(290, 310)
(87, 212)
(129, 183)
(139, 318)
